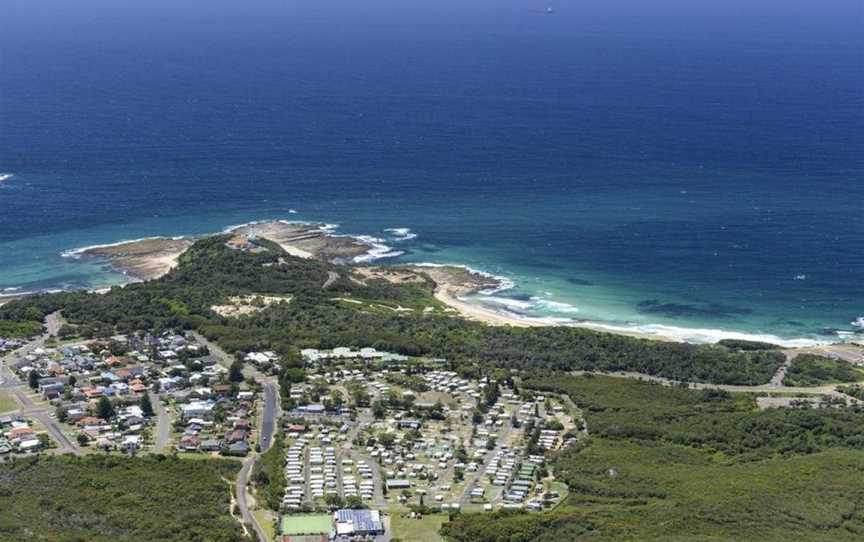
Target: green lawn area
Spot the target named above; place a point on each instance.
(193, 456)
(309, 524)
(7, 402)
(417, 530)
(265, 519)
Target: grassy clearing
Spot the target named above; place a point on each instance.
(417, 530)
(7, 402)
(265, 520)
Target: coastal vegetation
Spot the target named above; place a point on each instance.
(855, 390)
(666, 463)
(740, 344)
(813, 370)
(19, 329)
(107, 498)
(715, 421)
(210, 273)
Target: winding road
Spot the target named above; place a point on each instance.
(270, 413)
(240, 486)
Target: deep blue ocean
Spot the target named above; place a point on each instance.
(689, 168)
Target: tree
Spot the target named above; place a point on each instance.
(61, 414)
(378, 409)
(353, 501)
(105, 409)
(235, 372)
(387, 439)
(82, 439)
(491, 393)
(146, 405)
(334, 501)
(461, 454)
(33, 379)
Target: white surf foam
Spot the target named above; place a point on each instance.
(235, 227)
(554, 306)
(6, 176)
(377, 249)
(700, 335)
(503, 283)
(512, 304)
(858, 322)
(401, 234)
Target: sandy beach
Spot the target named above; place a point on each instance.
(453, 282)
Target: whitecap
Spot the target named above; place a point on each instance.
(6, 176)
(377, 249)
(513, 304)
(858, 322)
(555, 306)
(401, 234)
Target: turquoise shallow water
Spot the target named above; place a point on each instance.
(684, 168)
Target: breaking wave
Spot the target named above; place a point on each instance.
(401, 234)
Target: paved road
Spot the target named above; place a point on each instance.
(7, 378)
(377, 478)
(40, 412)
(163, 424)
(266, 428)
(269, 415)
(240, 486)
(501, 440)
(271, 409)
